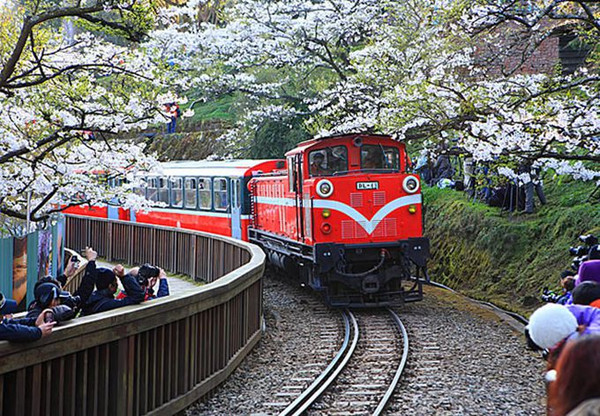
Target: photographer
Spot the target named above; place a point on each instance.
(567, 284)
(64, 306)
(59, 305)
(103, 298)
(147, 276)
(24, 329)
(86, 287)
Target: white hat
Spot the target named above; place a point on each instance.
(551, 324)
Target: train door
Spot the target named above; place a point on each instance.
(236, 208)
(113, 209)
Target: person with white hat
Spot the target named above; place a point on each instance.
(552, 325)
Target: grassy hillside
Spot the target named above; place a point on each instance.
(491, 255)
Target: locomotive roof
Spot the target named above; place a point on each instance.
(234, 167)
(308, 143)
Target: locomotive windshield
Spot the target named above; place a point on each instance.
(379, 157)
(328, 161)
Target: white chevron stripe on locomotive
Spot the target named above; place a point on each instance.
(368, 225)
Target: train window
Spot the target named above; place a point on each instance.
(379, 157)
(205, 193)
(163, 190)
(328, 161)
(220, 192)
(152, 189)
(190, 193)
(176, 192)
(141, 189)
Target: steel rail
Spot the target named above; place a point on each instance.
(401, 366)
(314, 391)
(513, 315)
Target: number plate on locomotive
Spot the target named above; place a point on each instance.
(367, 185)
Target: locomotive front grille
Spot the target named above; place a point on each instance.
(378, 198)
(347, 229)
(356, 200)
(391, 227)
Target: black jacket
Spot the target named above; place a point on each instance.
(61, 313)
(103, 300)
(19, 330)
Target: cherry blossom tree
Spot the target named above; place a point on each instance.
(65, 102)
(438, 71)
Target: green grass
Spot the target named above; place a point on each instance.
(221, 109)
(506, 258)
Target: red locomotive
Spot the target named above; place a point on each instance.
(340, 213)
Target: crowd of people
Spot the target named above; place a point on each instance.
(96, 293)
(481, 183)
(567, 330)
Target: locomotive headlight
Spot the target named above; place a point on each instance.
(326, 213)
(325, 228)
(412, 209)
(410, 184)
(324, 188)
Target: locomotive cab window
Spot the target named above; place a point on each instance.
(190, 193)
(328, 161)
(176, 192)
(379, 157)
(220, 194)
(205, 193)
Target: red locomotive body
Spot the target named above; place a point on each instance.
(339, 213)
(345, 218)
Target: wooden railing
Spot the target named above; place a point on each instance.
(153, 358)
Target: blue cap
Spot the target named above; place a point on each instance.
(7, 305)
(46, 293)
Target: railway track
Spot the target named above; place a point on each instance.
(363, 373)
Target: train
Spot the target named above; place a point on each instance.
(342, 214)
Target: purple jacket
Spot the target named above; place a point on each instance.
(589, 270)
(588, 316)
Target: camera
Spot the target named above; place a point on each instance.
(576, 263)
(549, 296)
(60, 313)
(582, 253)
(588, 240)
(73, 302)
(49, 317)
(147, 272)
(579, 250)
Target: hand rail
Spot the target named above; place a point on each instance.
(154, 358)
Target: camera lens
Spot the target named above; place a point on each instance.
(49, 317)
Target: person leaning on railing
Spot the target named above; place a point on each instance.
(103, 298)
(147, 277)
(49, 293)
(23, 329)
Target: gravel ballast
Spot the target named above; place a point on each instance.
(464, 359)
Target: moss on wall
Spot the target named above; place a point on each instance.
(501, 257)
(182, 146)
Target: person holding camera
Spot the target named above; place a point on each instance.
(146, 276)
(23, 329)
(61, 304)
(50, 300)
(103, 298)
